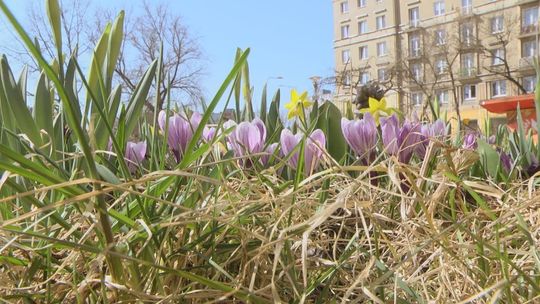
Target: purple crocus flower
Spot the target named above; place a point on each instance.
(270, 150)
(313, 149)
(361, 135)
(247, 138)
(135, 153)
(506, 161)
(433, 131)
(400, 141)
(180, 131)
(469, 141)
(208, 133)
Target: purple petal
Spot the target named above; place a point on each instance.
(314, 151)
(288, 143)
(209, 133)
(135, 153)
(389, 127)
(162, 117)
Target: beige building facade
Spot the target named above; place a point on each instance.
(458, 52)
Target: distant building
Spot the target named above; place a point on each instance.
(227, 114)
(448, 50)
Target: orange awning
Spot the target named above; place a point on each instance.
(507, 104)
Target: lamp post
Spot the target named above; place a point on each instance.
(316, 81)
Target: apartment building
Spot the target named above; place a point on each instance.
(452, 51)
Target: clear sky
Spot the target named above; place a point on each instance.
(291, 39)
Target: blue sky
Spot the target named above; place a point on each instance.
(291, 39)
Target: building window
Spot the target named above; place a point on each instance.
(344, 31)
(382, 75)
(362, 3)
(363, 51)
(346, 78)
(441, 66)
(440, 37)
(466, 6)
(414, 16)
(497, 56)
(529, 83)
(467, 64)
(442, 96)
(416, 71)
(381, 49)
(529, 19)
(467, 34)
(414, 45)
(381, 22)
(344, 6)
(528, 48)
(469, 92)
(416, 98)
(498, 88)
(362, 27)
(439, 8)
(497, 24)
(364, 78)
(345, 56)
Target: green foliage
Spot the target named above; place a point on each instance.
(329, 120)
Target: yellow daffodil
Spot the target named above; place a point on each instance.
(377, 108)
(297, 104)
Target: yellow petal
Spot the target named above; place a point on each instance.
(294, 95)
(364, 110)
(307, 104)
(290, 105)
(382, 103)
(292, 113)
(373, 103)
(303, 96)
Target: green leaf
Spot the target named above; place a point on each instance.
(489, 157)
(273, 124)
(24, 120)
(247, 90)
(263, 105)
(115, 44)
(43, 106)
(54, 14)
(107, 175)
(13, 261)
(136, 104)
(96, 63)
(330, 123)
(314, 114)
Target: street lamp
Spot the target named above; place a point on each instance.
(316, 80)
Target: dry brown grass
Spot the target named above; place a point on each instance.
(333, 238)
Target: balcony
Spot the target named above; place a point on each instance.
(528, 30)
(469, 43)
(466, 13)
(414, 25)
(468, 73)
(415, 54)
(523, 2)
(526, 63)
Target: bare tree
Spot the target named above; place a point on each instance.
(74, 32)
(145, 34)
(431, 65)
(503, 31)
